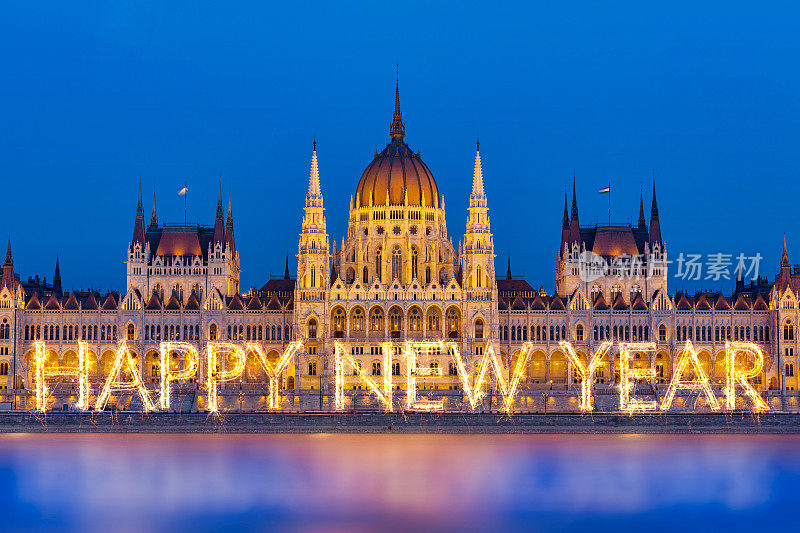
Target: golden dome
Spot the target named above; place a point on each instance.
(397, 173)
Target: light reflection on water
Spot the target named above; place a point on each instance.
(392, 482)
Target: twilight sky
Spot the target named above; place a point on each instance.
(95, 95)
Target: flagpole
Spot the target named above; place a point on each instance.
(609, 203)
(185, 186)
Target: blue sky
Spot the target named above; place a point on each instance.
(96, 94)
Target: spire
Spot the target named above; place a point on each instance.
(654, 206)
(139, 206)
(565, 220)
(785, 256)
(286, 270)
(219, 222)
(57, 275)
(477, 176)
(229, 227)
(397, 130)
(655, 225)
(220, 210)
(642, 222)
(153, 217)
(138, 224)
(9, 260)
(313, 179)
(508, 271)
(574, 225)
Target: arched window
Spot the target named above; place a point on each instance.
(427, 275)
(212, 332)
(313, 276)
(378, 263)
(414, 320)
(479, 328)
(452, 370)
(397, 264)
(130, 332)
(451, 323)
(3, 369)
(433, 320)
(351, 275)
(395, 322)
(788, 331)
(358, 319)
(414, 262)
(312, 328)
(395, 368)
(376, 319)
(312, 368)
(376, 368)
(662, 333)
(478, 277)
(338, 322)
(365, 278)
(579, 332)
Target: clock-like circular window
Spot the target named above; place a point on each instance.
(396, 230)
(413, 230)
(380, 230)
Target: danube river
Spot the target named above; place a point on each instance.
(135, 483)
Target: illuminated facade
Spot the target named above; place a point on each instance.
(395, 277)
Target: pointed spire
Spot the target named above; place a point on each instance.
(57, 278)
(139, 205)
(785, 256)
(153, 217)
(313, 179)
(229, 227)
(565, 220)
(220, 210)
(9, 260)
(642, 222)
(655, 225)
(654, 206)
(138, 224)
(219, 222)
(397, 130)
(477, 176)
(286, 270)
(508, 271)
(574, 224)
(574, 198)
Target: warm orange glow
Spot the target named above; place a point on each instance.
(699, 383)
(586, 370)
(168, 375)
(343, 360)
(741, 376)
(42, 373)
(629, 376)
(114, 381)
(214, 372)
(274, 372)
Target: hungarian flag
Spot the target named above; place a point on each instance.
(183, 191)
(605, 190)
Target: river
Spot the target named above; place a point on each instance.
(136, 483)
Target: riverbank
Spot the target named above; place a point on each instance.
(597, 423)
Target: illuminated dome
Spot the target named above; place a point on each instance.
(397, 176)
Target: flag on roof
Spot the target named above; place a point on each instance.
(183, 191)
(605, 190)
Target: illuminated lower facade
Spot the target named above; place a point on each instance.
(394, 317)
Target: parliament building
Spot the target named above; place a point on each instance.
(397, 276)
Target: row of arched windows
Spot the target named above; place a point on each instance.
(52, 332)
(722, 333)
(538, 332)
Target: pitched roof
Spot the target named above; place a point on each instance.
(638, 303)
(254, 303)
(236, 303)
(111, 301)
(52, 303)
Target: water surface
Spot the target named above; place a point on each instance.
(396, 482)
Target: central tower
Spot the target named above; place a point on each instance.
(397, 232)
